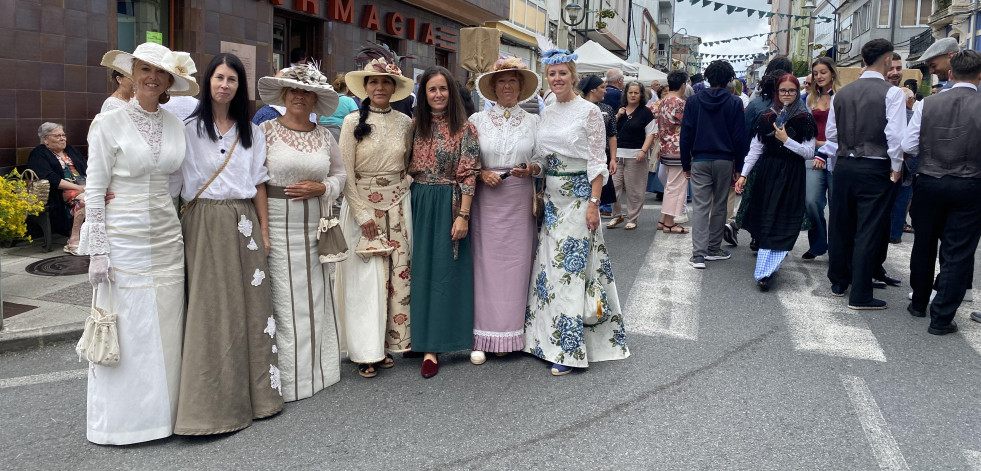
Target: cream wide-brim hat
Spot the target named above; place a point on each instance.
(355, 82)
(177, 64)
(529, 86)
(304, 78)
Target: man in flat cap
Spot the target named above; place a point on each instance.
(946, 132)
(937, 58)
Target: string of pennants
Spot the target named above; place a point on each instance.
(727, 41)
(730, 9)
(737, 57)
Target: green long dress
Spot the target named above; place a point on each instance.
(443, 167)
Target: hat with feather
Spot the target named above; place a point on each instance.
(381, 62)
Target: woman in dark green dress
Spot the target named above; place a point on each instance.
(444, 167)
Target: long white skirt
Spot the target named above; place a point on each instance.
(303, 305)
(136, 400)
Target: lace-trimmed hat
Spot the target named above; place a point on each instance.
(530, 80)
(178, 64)
(355, 80)
(304, 78)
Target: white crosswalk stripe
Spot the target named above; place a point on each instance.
(884, 446)
(664, 297)
(822, 324)
(42, 378)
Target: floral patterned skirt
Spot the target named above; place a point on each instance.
(573, 315)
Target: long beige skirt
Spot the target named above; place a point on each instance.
(230, 369)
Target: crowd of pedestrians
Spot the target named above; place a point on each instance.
(476, 231)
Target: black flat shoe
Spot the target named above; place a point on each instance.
(808, 256)
(947, 329)
(873, 305)
(913, 312)
(888, 280)
(878, 284)
(838, 290)
(764, 284)
(754, 245)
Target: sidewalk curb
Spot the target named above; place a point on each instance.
(37, 338)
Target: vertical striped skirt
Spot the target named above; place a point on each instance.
(303, 304)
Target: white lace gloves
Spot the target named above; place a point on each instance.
(99, 269)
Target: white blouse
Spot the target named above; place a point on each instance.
(574, 129)
(805, 150)
(506, 142)
(246, 167)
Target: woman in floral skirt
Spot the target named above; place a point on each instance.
(573, 315)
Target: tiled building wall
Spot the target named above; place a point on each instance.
(49, 67)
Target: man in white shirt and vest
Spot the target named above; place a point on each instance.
(866, 124)
(946, 132)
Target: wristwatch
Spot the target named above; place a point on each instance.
(466, 217)
(596, 201)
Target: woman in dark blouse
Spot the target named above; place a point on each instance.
(636, 130)
(64, 168)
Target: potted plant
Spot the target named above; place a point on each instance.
(15, 204)
(600, 24)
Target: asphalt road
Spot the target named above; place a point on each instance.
(721, 377)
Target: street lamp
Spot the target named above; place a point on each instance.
(837, 45)
(671, 48)
(573, 11)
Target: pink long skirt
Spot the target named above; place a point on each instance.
(503, 235)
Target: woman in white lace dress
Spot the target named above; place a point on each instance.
(504, 230)
(306, 174)
(137, 255)
(573, 316)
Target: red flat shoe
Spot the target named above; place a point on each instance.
(429, 369)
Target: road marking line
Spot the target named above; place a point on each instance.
(973, 459)
(42, 378)
(665, 294)
(818, 323)
(884, 446)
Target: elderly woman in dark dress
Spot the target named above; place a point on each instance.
(64, 167)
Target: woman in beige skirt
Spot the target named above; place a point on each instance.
(229, 373)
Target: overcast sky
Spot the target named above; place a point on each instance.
(715, 25)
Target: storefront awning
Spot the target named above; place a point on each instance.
(467, 12)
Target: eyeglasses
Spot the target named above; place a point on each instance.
(57, 136)
(787, 92)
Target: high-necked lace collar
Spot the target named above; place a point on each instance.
(379, 110)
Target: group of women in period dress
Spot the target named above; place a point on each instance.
(226, 311)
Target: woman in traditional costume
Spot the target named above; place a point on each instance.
(504, 229)
(229, 351)
(784, 137)
(137, 255)
(306, 174)
(373, 290)
(573, 315)
(444, 167)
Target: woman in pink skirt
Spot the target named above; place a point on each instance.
(668, 113)
(503, 227)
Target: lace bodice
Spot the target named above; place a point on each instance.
(294, 156)
(574, 129)
(149, 124)
(506, 142)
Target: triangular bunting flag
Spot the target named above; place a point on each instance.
(730, 9)
(749, 12)
(717, 6)
(706, 3)
(739, 9)
(797, 28)
(769, 14)
(762, 14)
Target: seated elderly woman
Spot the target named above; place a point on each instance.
(64, 167)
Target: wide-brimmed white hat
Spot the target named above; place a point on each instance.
(530, 80)
(178, 64)
(355, 80)
(302, 77)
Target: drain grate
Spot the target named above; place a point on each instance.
(65, 265)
